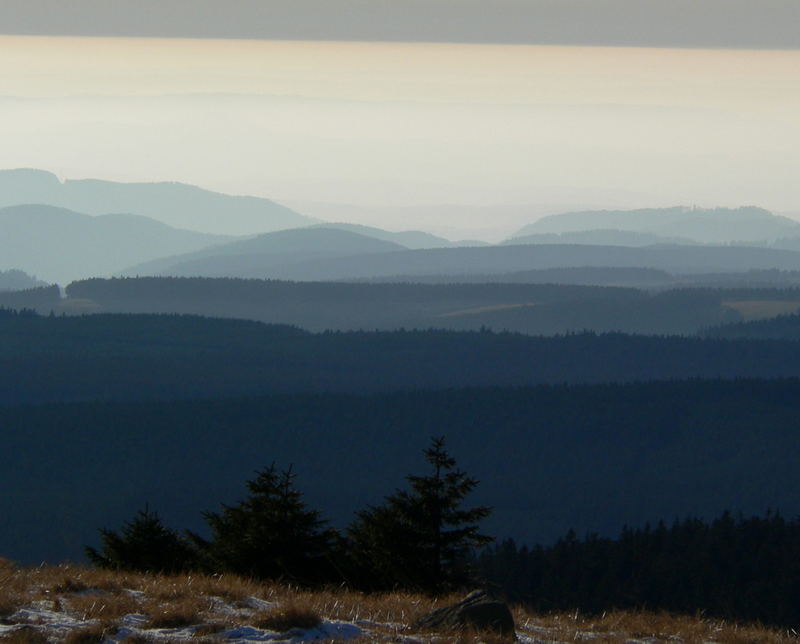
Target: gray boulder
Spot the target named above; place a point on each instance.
(477, 610)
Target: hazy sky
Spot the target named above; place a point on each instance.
(662, 23)
(394, 124)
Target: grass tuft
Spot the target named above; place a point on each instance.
(70, 585)
(9, 604)
(288, 617)
(104, 606)
(178, 615)
(208, 629)
(90, 635)
(24, 635)
(137, 639)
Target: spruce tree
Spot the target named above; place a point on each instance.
(271, 534)
(421, 538)
(144, 544)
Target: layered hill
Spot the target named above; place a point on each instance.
(176, 204)
(16, 280)
(60, 245)
(599, 237)
(537, 309)
(779, 327)
(265, 255)
(405, 265)
(709, 226)
(412, 239)
(146, 357)
(591, 458)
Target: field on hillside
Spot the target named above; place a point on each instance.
(762, 309)
(77, 605)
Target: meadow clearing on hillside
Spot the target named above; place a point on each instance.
(762, 309)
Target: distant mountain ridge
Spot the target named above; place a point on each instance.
(176, 204)
(404, 264)
(703, 225)
(602, 237)
(61, 245)
(258, 256)
(411, 239)
(16, 280)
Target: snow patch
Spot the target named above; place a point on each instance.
(326, 631)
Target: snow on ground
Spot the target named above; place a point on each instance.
(57, 625)
(65, 602)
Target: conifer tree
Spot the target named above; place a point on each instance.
(271, 534)
(420, 538)
(144, 544)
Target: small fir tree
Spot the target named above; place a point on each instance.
(144, 544)
(422, 538)
(271, 534)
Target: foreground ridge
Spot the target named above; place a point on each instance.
(73, 604)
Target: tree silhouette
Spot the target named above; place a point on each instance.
(271, 534)
(143, 544)
(420, 538)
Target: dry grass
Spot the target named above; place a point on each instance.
(472, 636)
(208, 629)
(177, 605)
(287, 617)
(137, 639)
(619, 627)
(7, 565)
(175, 615)
(176, 587)
(24, 635)
(209, 602)
(394, 607)
(13, 589)
(95, 634)
(70, 585)
(9, 604)
(102, 605)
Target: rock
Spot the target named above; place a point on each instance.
(477, 610)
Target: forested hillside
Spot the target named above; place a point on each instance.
(736, 568)
(547, 458)
(41, 298)
(481, 261)
(536, 309)
(782, 327)
(141, 357)
(17, 280)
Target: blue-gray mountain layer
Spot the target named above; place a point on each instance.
(60, 245)
(176, 204)
(269, 254)
(404, 265)
(748, 224)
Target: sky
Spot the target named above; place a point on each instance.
(656, 23)
(701, 115)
